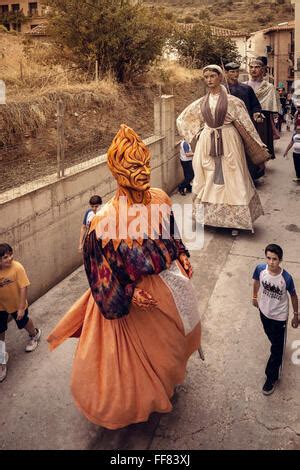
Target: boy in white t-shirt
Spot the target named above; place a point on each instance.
(295, 143)
(270, 294)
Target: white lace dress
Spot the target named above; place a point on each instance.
(235, 204)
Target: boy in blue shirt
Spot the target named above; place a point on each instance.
(95, 203)
(270, 288)
(186, 160)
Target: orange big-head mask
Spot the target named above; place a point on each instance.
(129, 160)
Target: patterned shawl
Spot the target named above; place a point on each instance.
(115, 266)
(267, 95)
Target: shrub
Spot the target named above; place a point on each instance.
(124, 37)
(198, 47)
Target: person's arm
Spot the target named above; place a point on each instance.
(256, 286)
(238, 111)
(23, 283)
(23, 303)
(255, 104)
(81, 237)
(258, 117)
(185, 263)
(183, 253)
(288, 148)
(187, 150)
(143, 299)
(189, 122)
(295, 304)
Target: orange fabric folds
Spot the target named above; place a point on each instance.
(125, 369)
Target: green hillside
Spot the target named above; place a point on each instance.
(249, 15)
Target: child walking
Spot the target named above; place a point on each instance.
(295, 143)
(270, 288)
(186, 160)
(95, 203)
(13, 302)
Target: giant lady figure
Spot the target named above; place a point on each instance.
(222, 184)
(138, 323)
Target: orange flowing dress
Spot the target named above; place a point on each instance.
(126, 368)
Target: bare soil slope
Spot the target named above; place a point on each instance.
(93, 110)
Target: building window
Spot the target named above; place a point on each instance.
(4, 8)
(33, 8)
(15, 7)
(16, 27)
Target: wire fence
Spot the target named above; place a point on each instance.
(37, 158)
(72, 138)
(37, 155)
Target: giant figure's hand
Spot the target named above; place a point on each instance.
(185, 263)
(143, 299)
(258, 117)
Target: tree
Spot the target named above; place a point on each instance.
(198, 47)
(125, 37)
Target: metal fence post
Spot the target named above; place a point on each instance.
(97, 71)
(60, 139)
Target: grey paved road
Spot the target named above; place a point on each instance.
(220, 406)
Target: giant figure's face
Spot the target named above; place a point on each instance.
(212, 79)
(256, 71)
(129, 160)
(233, 76)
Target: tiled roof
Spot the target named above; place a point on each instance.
(288, 26)
(217, 31)
(227, 32)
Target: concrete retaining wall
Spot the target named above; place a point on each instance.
(43, 224)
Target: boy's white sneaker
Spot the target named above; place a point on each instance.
(33, 341)
(3, 369)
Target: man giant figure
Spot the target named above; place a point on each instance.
(269, 100)
(246, 94)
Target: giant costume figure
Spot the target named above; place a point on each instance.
(138, 323)
(246, 94)
(241, 90)
(269, 101)
(222, 183)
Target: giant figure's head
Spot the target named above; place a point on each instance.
(129, 160)
(257, 69)
(232, 70)
(213, 76)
